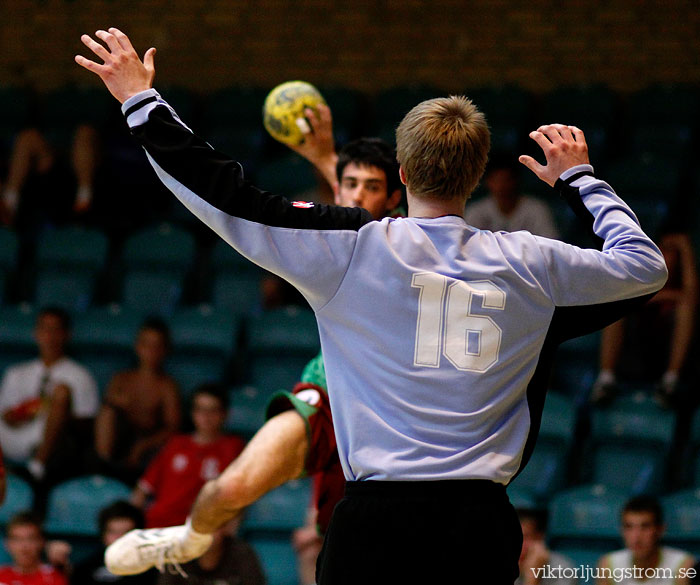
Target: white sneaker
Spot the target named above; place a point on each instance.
(139, 550)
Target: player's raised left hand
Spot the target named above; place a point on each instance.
(122, 72)
(563, 146)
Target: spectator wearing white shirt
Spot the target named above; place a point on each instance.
(506, 208)
(42, 399)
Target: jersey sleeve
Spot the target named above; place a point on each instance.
(628, 265)
(310, 245)
(592, 288)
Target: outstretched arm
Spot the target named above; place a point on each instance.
(121, 71)
(318, 146)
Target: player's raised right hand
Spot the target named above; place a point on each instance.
(122, 72)
(564, 147)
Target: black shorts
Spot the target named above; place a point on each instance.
(414, 533)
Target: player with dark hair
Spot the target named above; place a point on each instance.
(437, 337)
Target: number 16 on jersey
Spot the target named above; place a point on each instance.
(448, 326)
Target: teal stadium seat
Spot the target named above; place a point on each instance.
(69, 106)
(190, 371)
(247, 407)
(280, 343)
(19, 497)
(72, 248)
(152, 292)
(547, 469)
(289, 176)
(586, 516)
(17, 331)
(204, 330)
(225, 259)
(3, 286)
(8, 250)
(277, 558)
(232, 122)
(72, 290)
(576, 367)
(74, 505)
(632, 421)
(281, 510)
(164, 248)
(630, 443)
(682, 516)
(238, 293)
(521, 498)
(111, 328)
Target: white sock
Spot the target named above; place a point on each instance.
(606, 377)
(11, 199)
(84, 195)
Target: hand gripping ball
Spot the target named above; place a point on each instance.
(283, 112)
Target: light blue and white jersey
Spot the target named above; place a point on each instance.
(437, 337)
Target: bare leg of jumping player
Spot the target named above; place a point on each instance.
(273, 456)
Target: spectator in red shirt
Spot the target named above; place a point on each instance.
(25, 542)
(187, 462)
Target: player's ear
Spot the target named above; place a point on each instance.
(392, 202)
(402, 175)
(336, 193)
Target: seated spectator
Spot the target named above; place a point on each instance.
(505, 208)
(115, 521)
(535, 554)
(39, 180)
(41, 400)
(141, 407)
(307, 543)
(25, 541)
(174, 478)
(644, 560)
(656, 338)
(229, 561)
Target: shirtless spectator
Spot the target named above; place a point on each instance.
(141, 408)
(45, 398)
(174, 478)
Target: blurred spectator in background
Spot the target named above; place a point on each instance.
(41, 185)
(229, 561)
(307, 543)
(535, 554)
(115, 520)
(141, 408)
(46, 402)
(658, 336)
(642, 529)
(24, 541)
(187, 462)
(3, 478)
(505, 208)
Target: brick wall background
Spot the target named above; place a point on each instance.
(366, 44)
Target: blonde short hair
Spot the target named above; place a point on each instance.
(442, 145)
